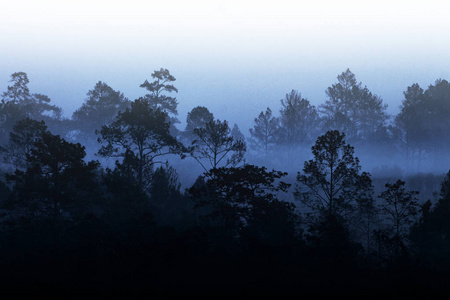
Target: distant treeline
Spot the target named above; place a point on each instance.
(416, 136)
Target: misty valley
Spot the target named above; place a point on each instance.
(121, 198)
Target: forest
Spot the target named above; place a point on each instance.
(338, 198)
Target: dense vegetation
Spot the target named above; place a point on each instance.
(119, 199)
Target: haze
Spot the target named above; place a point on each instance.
(336, 180)
(234, 57)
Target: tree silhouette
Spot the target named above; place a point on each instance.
(167, 201)
(245, 200)
(438, 125)
(264, 134)
(399, 207)
(299, 121)
(412, 121)
(216, 144)
(353, 109)
(18, 91)
(17, 104)
(140, 135)
(431, 234)
(237, 134)
(56, 176)
(162, 83)
(198, 117)
(332, 183)
(371, 118)
(100, 108)
(22, 139)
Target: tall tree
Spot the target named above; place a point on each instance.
(332, 183)
(299, 121)
(162, 83)
(423, 120)
(334, 189)
(353, 109)
(438, 124)
(412, 119)
(263, 135)
(338, 109)
(399, 207)
(216, 145)
(140, 135)
(371, 118)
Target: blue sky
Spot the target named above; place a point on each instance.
(234, 57)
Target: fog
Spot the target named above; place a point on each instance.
(234, 58)
(90, 200)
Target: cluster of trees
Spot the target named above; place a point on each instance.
(416, 135)
(81, 223)
(350, 108)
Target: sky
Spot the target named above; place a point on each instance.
(235, 57)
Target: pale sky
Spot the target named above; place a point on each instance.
(234, 57)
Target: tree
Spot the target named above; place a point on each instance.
(400, 207)
(216, 144)
(18, 91)
(237, 134)
(371, 118)
(34, 106)
(431, 234)
(263, 135)
(56, 177)
(353, 109)
(243, 201)
(100, 108)
(437, 126)
(165, 185)
(330, 243)
(298, 121)
(412, 119)
(423, 121)
(17, 104)
(331, 183)
(367, 220)
(198, 117)
(338, 109)
(162, 83)
(39, 108)
(168, 203)
(140, 135)
(333, 188)
(22, 139)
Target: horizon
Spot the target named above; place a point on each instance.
(235, 58)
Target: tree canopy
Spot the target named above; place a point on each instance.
(100, 108)
(140, 135)
(332, 182)
(215, 144)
